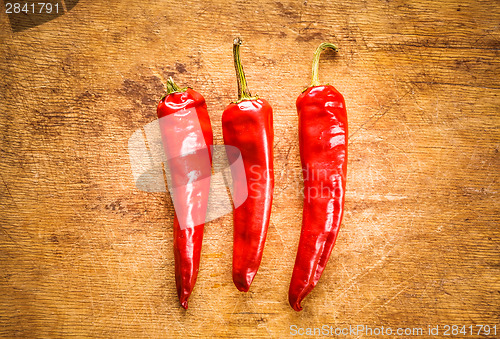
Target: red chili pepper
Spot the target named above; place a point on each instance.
(247, 124)
(187, 137)
(323, 151)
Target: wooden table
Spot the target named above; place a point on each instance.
(84, 252)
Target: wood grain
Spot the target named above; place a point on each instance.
(83, 252)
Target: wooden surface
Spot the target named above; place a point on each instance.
(84, 252)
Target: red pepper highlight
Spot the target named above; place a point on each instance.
(323, 152)
(247, 124)
(187, 137)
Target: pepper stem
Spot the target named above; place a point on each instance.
(315, 63)
(243, 91)
(172, 87)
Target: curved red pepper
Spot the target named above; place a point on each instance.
(248, 125)
(323, 151)
(187, 137)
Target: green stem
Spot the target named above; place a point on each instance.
(173, 88)
(243, 91)
(315, 63)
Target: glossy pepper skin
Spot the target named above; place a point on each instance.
(248, 125)
(323, 152)
(187, 137)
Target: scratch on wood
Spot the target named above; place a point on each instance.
(8, 191)
(378, 115)
(451, 84)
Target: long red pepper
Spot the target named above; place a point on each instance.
(323, 152)
(187, 137)
(247, 124)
